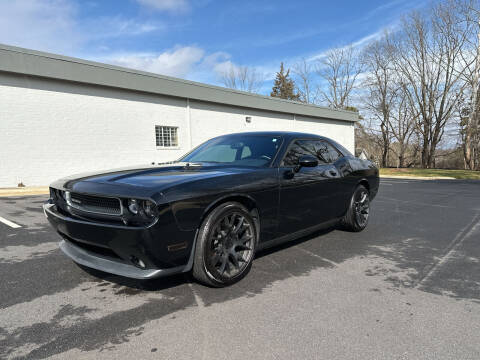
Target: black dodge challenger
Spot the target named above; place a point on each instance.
(212, 209)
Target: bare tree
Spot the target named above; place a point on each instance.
(306, 88)
(402, 124)
(429, 59)
(470, 110)
(339, 69)
(381, 87)
(242, 78)
(369, 140)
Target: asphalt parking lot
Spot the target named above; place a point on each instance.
(408, 287)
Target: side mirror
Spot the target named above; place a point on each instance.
(306, 161)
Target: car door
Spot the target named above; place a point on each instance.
(305, 195)
(338, 170)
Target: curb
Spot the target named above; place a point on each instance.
(37, 190)
(418, 177)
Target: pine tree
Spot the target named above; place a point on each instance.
(284, 86)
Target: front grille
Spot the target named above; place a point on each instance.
(95, 204)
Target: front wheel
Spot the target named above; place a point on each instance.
(356, 218)
(225, 245)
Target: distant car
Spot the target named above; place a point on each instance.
(214, 208)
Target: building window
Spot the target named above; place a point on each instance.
(166, 136)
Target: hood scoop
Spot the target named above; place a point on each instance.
(178, 164)
(190, 165)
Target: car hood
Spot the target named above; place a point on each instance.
(145, 181)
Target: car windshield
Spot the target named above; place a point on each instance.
(248, 150)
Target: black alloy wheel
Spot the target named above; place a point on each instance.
(362, 207)
(225, 245)
(230, 245)
(356, 218)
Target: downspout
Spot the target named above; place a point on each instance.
(189, 125)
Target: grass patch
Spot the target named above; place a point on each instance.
(457, 174)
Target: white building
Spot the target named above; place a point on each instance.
(60, 116)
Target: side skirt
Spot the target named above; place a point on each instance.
(297, 234)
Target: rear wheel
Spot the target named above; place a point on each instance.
(356, 218)
(225, 245)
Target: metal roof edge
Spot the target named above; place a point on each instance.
(37, 63)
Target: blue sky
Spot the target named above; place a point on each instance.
(196, 39)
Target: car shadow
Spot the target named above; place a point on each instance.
(167, 282)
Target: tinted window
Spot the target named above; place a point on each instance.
(339, 147)
(326, 153)
(322, 150)
(248, 150)
(299, 148)
(221, 153)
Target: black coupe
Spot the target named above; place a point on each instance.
(210, 211)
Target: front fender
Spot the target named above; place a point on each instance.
(190, 213)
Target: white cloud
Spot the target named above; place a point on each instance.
(117, 26)
(188, 62)
(179, 61)
(166, 5)
(356, 44)
(51, 25)
(46, 25)
(220, 63)
(224, 67)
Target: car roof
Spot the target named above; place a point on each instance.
(289, 134)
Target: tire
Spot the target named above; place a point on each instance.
(225, 246)
(356, 218)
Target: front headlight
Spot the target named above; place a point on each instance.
(140, 211)
(56, 195)
(133, 206)
(149, 208)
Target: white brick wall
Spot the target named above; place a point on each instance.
(214, 119)
(51, 129)
(340, 131)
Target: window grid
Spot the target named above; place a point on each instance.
(166, 136)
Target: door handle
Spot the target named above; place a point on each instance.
(289, 174)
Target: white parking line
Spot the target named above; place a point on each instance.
(9, 223)
(452, 247)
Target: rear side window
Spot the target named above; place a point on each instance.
(326, 153)
(322, 150)
(299, 148)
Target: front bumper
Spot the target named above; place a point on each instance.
(112, 248)
(106, 264)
